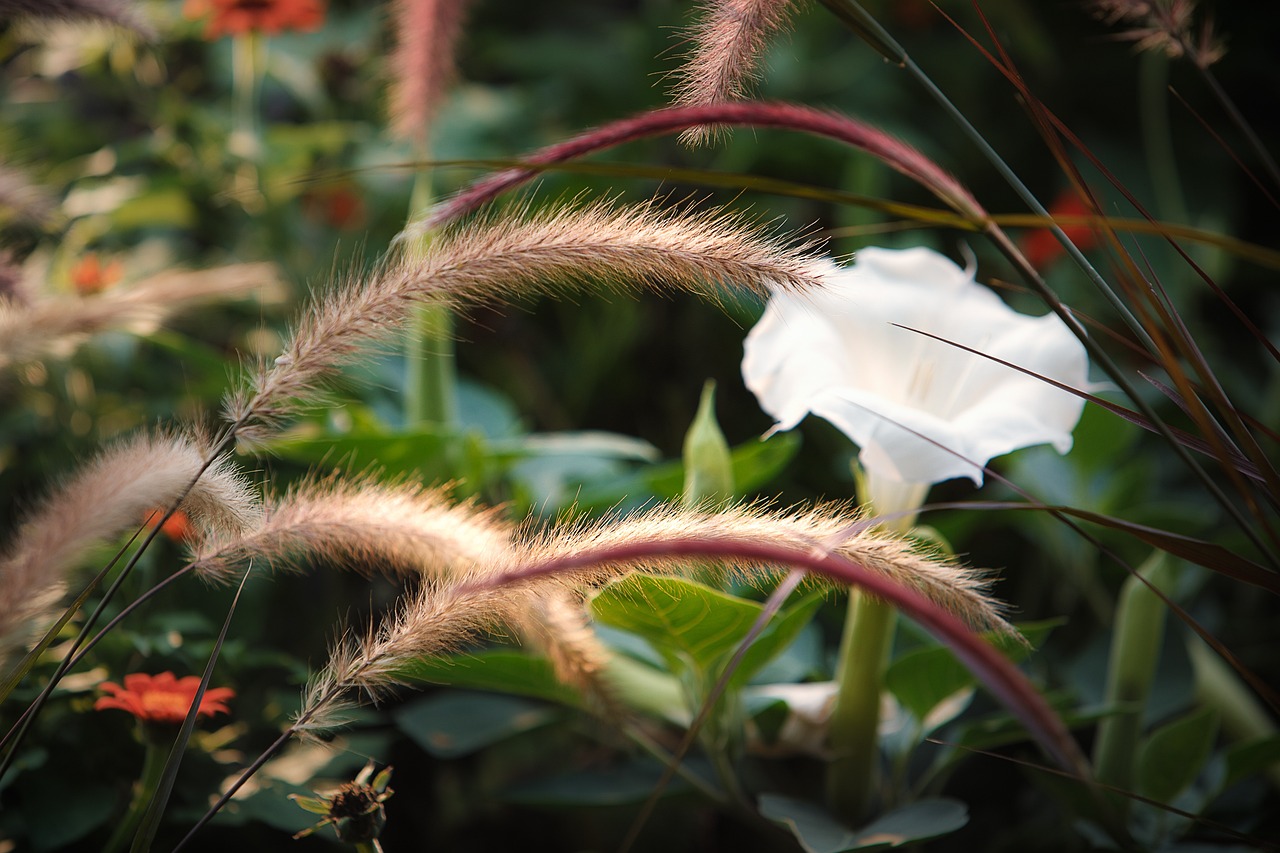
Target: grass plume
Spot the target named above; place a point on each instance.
(54, 324)
(443, 615)
(112, 493)
(422, 64)
(121, 13)
(500, 259)
(363, 525)
(721, 65)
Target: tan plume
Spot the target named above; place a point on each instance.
(121, 13)
(112, 493)
(442, 615)
(725, 47)
(363, 525)
(422, 65)
(45, 324)
(592, 246)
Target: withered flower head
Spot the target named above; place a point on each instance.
(355, 810)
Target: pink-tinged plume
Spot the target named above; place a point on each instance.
(422, 66)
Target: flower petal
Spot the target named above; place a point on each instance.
(840, 354)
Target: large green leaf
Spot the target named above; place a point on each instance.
(819, 832)
(690, 623)
(456, 723)
(696, 626)
(1173, 755)
(499, 670)
(922, 678)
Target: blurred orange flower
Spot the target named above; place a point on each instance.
(90, 275)
(236, 17)
(1042, 248)
(340, 207)
(162, 698)
(177, 526)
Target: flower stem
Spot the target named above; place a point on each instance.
(865, 644)
(1131, 669)
(855, 721)
(430, 392)
(152, 770)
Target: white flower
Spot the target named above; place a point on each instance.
(836, 353)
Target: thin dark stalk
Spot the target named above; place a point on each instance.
(15, 736)
(155, 810)
(1238, 119)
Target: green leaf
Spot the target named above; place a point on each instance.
(1174, 754)
(755, 463)
(1250, 757)
(921, 679)
(778, 636)
(708, 466)
(643, 688)
(457, 723)
(696, 626)
(692, 624)
(499, 670)
(819, 832)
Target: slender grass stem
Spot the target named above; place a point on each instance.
(13, 739)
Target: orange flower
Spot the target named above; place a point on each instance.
(235, 17)
(1042, 248)
(340, 207)
(162, 698)
(90, 276)
(177, 527)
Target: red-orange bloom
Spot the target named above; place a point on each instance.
(177, 526)
(162, 698)
(235, 17)
(1042, 248)
(90, 275)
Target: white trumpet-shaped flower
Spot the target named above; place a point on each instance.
(848, 353)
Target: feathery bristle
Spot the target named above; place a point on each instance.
(499, 260)
(362, 525)
(46, 324)
(828, 528)
(444, 614)
(422, 65)
(557, 625)
(112, 493)
(121, 13)
(722, 64)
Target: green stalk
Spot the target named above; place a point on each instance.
(430, 391)
(246, 59)
(152, 770)
(1157, 136)
(854, 771)
(1131, 669)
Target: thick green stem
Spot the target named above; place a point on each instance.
(430, 392)
(853, 773)
(864, 652)
(1131, 669)
(152, 770)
